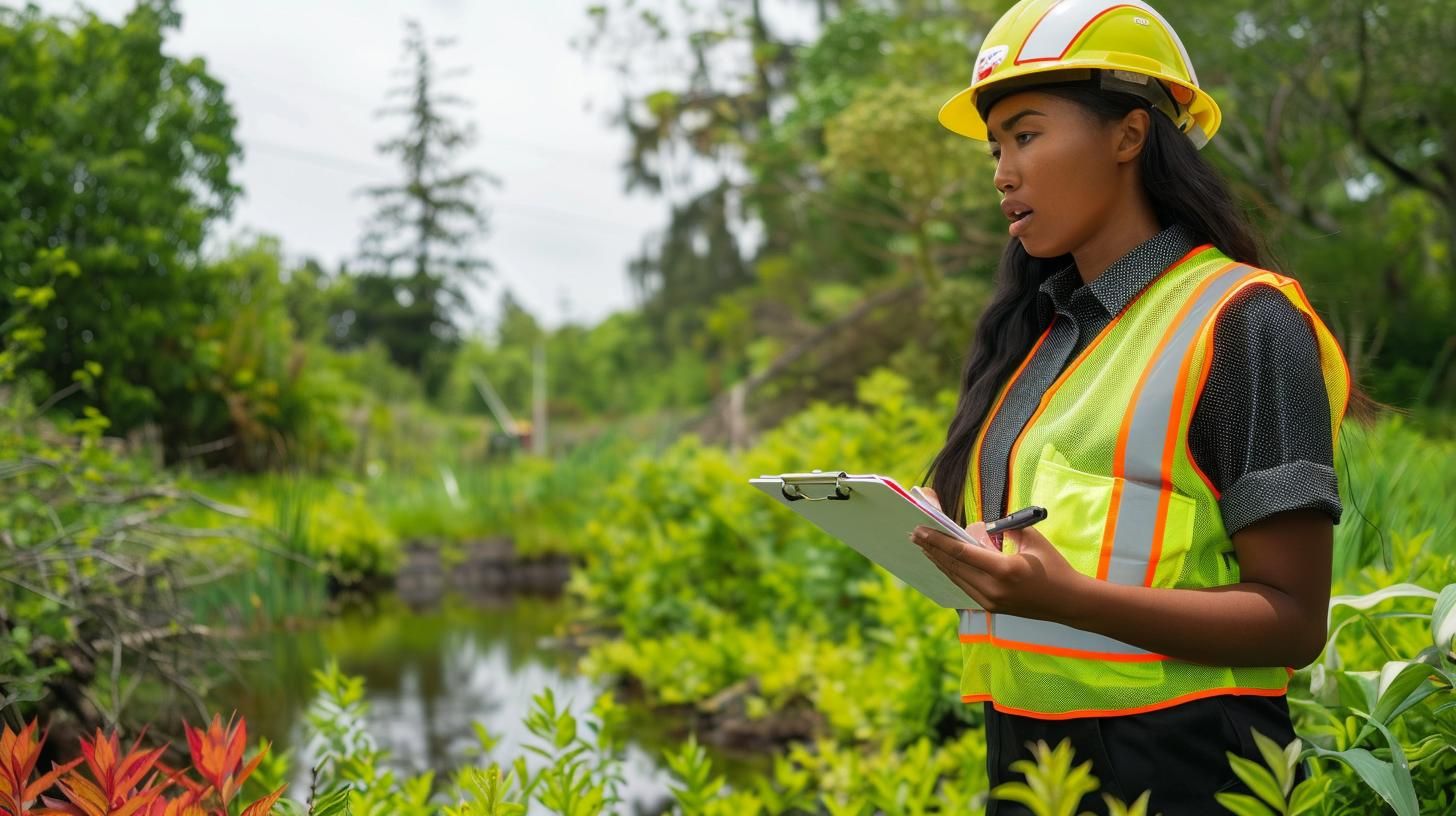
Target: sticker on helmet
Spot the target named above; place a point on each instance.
(989, 59)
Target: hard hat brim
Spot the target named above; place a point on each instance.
(959, 114)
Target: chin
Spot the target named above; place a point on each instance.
(1042, 249)
(1041, 245)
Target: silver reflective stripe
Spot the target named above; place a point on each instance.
(1137, 521)
(1136, 512)
(1142, 467)
(973, 623)
(1047, 633)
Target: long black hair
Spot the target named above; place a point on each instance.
(1182, 187)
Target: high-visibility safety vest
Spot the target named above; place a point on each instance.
(1106, 452)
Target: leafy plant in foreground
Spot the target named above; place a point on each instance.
(130, 782)
(1274, 788)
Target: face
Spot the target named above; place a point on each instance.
(1057, 169)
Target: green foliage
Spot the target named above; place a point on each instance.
(117, 158)
(1052, 787)
(1381, 699)
(710, 585)
(1393, 487)
(1273, 782)
(281, 400)
(573, 765)
(317, 527)
(93, 606)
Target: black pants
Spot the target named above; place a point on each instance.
(1177, 753)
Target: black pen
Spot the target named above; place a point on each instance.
(1024, 517)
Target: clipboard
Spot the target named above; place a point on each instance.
(873, 515)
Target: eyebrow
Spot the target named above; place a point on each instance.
(1010, 122)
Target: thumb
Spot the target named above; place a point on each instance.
(1027, 539)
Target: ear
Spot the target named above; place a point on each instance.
(1131, 135)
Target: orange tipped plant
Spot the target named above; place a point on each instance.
(131, 783)
(217, 757)
(18, 755)
(115, 779)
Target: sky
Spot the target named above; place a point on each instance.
(305, 79)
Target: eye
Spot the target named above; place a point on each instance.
(1024, 137)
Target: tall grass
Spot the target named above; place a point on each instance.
(276, 578)
(1394, 482)
(540, 503)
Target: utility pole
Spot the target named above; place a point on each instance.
(496, 404)
(538, 419)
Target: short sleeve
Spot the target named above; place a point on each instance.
(1261, 429)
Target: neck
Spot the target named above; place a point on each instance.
(1126, 228)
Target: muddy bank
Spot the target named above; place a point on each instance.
(477, 569)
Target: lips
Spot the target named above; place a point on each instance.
(1015, 209)
(1018, 213)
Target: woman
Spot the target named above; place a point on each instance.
(1173, 406)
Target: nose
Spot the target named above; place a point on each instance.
(1006, 179)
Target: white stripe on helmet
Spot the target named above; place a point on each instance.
(1053, 34)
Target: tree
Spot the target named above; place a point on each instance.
(838, 187)
(421, 240)
(117, 157)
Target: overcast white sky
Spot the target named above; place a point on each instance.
(306, 76)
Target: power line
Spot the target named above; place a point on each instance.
(354, 166)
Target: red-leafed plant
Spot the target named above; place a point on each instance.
(131, 783)
(18, 755)
(120, 784)
(217, 757)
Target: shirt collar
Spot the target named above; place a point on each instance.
(1127, 276)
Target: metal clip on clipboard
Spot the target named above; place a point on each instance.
(877, 523)
(794, 481)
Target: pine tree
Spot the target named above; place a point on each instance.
(420, 246)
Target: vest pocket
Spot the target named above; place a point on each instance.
(1080, 510)
(1177, 540)
(1077, 506)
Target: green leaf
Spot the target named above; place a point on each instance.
(1391, 780)
(1258, 778)
(335, 803)
(1243, 804)
(1309, 794)
(1407, 687)
(1443, 621)
(1277, 760)
(1371, 599)
(565, 730)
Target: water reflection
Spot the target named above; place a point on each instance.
(429, 675)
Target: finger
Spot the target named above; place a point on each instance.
(1028, 538)
(977, 529)
(986, 560)
(956, 572)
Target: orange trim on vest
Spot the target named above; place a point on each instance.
(1205, 339)
(1313, 316)
(1197, 397)
(1115, 712)
(1058, 651)
(975, 474)
(1109, 530)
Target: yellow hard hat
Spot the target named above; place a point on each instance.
(1125, 43)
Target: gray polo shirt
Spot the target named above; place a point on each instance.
(1260, 431)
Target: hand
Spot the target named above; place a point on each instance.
(1034, 582)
